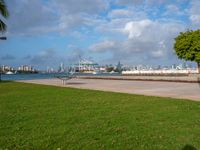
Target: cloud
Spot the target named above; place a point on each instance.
(104, 46)
(8, 57)
(82, 6)
(165, 2)
(148, 30)
(148, 3)
(129, 30)
(75, 55)
(120, 13)
(146, 40)
(30, 17)
(173, 10)
(135, 28)
(129, 2)
(160, 2)
(51, 57)
(37, 17)
(194, 12)
(44, 57)
(116, 22)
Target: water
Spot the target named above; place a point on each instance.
(47, 76)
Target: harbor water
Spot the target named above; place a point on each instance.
(48, 75)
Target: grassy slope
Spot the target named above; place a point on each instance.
(45, 117)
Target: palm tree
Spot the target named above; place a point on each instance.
(4, 13)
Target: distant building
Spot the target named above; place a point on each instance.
(5, 68)
(61, 68)
(102, 69)
(119, 67)
(85, 65)
(26, 69)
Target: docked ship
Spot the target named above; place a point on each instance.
(86, 66)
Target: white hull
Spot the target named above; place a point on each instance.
(9, 73)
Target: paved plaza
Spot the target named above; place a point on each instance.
(153, 88)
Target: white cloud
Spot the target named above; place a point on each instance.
(195, 18)
(146, 39)
(126, 32)
(117, 20)
(103, 46)
(129, 2)
(135, 28)
(173, 10)
(37, 17)
(148, 3)
(195, 12)
(80, 6)
(29, 17)
(69, 22)
(119, 13)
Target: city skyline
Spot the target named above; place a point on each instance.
(62, 67)
(44, 32)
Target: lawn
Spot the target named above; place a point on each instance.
(47, 117)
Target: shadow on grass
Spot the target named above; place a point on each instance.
(5, 81)
(188, 147)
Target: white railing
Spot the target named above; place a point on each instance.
(188, 71)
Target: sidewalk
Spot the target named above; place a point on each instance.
(154, 88)
(192, 78)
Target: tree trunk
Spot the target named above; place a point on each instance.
(198, 65)
(0, 73)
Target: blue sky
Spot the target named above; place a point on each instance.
(46, 32)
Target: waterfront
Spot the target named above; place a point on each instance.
(48, 75)
(152, 88)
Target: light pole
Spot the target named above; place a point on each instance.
(2, 38)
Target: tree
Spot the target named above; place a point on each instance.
(187, 46)
(109, 69)
(4, 13)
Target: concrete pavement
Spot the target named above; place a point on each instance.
(154, 88)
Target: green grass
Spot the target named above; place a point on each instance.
(46, 117)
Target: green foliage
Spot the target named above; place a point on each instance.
(187, 45)
(2, 26)
(4, 12)
(3, 9)
(46, 117)
(109, 69)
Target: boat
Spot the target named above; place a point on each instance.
(94, 72)
(9, 73)
(113, 72)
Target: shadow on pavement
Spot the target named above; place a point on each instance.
(74, 83)
(198, 79)
(188, 147)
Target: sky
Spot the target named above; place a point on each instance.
(47, 32)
